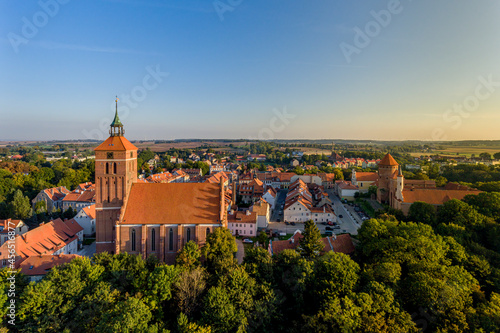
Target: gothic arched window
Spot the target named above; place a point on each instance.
(132, 239)
(171, 240)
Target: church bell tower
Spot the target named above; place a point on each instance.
(115, 171)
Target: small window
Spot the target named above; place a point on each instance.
(131, 154)
(153, 240)
(188, 235)
(208, 232)
(114, 168)
(109, 155)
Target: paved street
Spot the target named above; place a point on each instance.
(88, 250)
(347, 221)
(280, 200)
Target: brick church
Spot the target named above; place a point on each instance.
(149, 218)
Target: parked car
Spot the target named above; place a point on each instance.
(324, 223)
(341, 216)
(330, 223)
(287, 223)
(247, 240)
(328, 228)
(292, 223)
(329, 233)
(336, 227)
(277, 220)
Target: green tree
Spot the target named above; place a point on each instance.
(497, 156)
(69, 213)
(485, 156)
(189, 256)
(219, 250)
(20, 206)
(263, 239)
(422, 212)
(310, 245)
(485, 203)
(335, 275)
(131, 315)
(441, 181)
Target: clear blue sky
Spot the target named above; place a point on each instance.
(230, 66)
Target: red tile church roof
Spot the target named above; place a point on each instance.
(173, 203)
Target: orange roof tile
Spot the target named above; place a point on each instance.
(115, 143)
(242, 217)
(40, 265)
(434, 196)
(342, 243)
(90, 211)
(45, 239)
(173, 203)
(366, 176)
(388, 160)
(6, 225)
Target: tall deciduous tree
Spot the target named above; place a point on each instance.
(20, 206)
(219, 250)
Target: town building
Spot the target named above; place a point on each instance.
(263, 210)
(242, 223)
(18, 226)
(52, 238)
(52, 196)
(86, 219)
(336, 243)
(363, 180)
(82, 196)
(36, 267)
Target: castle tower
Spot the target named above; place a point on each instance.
(115, 171)
(387, 171)
(400, 185)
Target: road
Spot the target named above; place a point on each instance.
(88, 250)
(280, 200)
(348, 220)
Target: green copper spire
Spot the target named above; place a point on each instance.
(116, 127)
